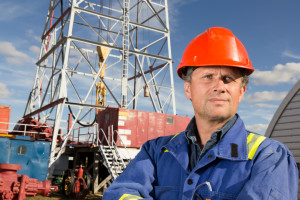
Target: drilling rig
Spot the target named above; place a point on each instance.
(103, 86)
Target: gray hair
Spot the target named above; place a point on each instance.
(188, 71)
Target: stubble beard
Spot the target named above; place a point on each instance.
(213, 116)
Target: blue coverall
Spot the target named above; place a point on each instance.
(241, 166)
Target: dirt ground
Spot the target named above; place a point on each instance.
(57, 196)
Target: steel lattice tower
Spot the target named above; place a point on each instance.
(136, 35)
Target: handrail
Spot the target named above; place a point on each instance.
(9, 123)
(110, 147)
(86, 137)
(101, 142)
(25, 131)
(115, 143)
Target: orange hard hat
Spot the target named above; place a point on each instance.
(217, 46)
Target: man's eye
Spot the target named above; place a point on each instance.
(208, 76)
(227, 79)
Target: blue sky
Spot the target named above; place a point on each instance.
(270, 31)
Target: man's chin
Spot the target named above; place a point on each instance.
(220, 117)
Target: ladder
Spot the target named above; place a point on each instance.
(115, 164)
(125, 52)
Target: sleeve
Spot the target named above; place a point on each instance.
(136, 181)
(274, 175)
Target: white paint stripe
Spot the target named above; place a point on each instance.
(122, 117)
(121, 123)
(124, 132)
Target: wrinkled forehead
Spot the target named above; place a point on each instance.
(219, 70)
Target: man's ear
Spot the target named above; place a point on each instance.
(187, 89)
(243, 90)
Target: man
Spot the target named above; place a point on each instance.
(215, 157)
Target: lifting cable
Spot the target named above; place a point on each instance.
(78, 121)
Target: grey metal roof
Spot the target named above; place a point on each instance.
(285, 125)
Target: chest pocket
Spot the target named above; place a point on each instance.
(167, 192)
(213, 195)
(205, 191)
(253, 142)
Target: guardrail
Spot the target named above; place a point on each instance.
(78, 134)
(84, 134)
(23, 132)
(81, 135)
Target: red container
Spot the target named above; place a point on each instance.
(4, 119)
(135, 127)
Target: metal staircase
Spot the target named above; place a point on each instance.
(115, 164)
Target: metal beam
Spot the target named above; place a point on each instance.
(120, 20)
(61, 41)
(54, 25)
(120, 48)
(151, 69)
(50, 105)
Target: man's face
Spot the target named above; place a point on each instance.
(215, 92)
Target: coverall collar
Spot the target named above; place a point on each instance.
(178, 147)
(225, 146)
(195, 154)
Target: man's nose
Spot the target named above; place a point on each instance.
(219, 86)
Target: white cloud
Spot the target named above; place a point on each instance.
(175, 10)
(255, 114)
(24, 77)
(28, 72)
(264, 105)
(183, 105)
(265, 96)
(12, 55)
(4, 92)
(261, 128)
(35, 50)
(288, 73)
(10, 11)
(290, 54)
(18, 102)
(30, 33)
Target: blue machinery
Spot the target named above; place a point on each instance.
(32, 155)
